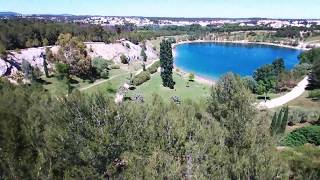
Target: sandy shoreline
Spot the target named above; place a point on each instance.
(211, 82)
(240, 42)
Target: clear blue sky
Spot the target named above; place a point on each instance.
(169, 8)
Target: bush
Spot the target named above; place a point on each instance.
(297, 115)
(314, 94)
(191, 77)
(62, 70)
(104, 74)
(101, 67)
(141, 78)
(299, 137)
(303, 162)
(144, 55)
(115, 66)
(124, 59)
(154, 67)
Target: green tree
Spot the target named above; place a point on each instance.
(279, 121)
(101, 66)
(26, 69)
(166, 64)
(191, 77)
(266, 78)
(124, 59)
(278, 66)
(247, 139)
(143, 55)
(23, 152)
(73, 52)
(45, 64)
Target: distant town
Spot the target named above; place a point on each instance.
(167, 21)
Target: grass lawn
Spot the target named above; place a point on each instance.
(112, 85)
(313, 38)
(304, 102)
(195, 92)
(58, 87)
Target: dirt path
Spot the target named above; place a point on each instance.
(101, 82)
(293, 94)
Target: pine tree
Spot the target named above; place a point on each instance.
(45, 64)
(279, 121)
(166, 63)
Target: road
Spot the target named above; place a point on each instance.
(293, 94)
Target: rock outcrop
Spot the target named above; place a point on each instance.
(95, 49)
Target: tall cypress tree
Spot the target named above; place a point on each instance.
(166, 63)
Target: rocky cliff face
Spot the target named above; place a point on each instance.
(12, 64)
(114, 51)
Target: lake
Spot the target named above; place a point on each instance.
(211, 60)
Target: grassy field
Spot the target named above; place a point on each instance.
(304, 102)
(313, 39)
(58, 87)
(195, 91)
(111, 85)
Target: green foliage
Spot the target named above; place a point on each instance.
(315, 94)
(124, 59)
(279, 121)
(26, 69)
(310, 56)
(101, 67)
(191, 77)
(139, 79)
(278, 66)
(299, 137)
(154, 67)
(62, 70)
(166, 63)
(252, 84)
(316, 73)
(303, 162)
(23, 122)
(73, 52)
(143, 55)
(231, 104)
(3, 52)
(266, 78)
(291, 32)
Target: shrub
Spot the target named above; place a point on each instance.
(62, 70)
(115, 66)
(297, 115)
(124, 59)
(139, 79)
(314, 94)
(101, 67)
(279, 121)
(299, 137)
(154, 67)
(191, 77)
(128, 45)
(303, 162)
(144, 55)
(104, 74)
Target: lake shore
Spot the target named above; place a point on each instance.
(241, 42)
(197, 78)
(211, 82)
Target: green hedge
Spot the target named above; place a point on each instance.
(299, 137)
(141, 78)
(154, 67)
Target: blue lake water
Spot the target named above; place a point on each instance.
(211, 60)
